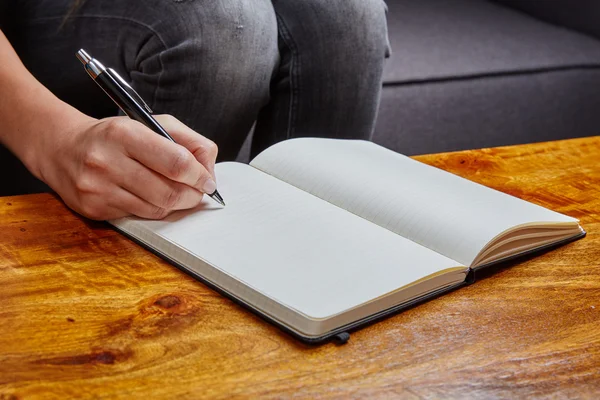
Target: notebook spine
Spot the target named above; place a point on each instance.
(470, 279)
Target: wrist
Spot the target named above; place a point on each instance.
(32, 119)
(47, 132)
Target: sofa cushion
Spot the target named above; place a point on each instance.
(434, 117)
(445, 39)
(472, 73)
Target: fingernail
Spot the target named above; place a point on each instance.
(209, 187)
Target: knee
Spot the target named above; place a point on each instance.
(365, 21)
(339, 27)
(229, 40)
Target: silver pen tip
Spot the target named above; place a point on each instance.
(83, 56)
(216, 196)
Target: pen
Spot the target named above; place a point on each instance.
(126, 98)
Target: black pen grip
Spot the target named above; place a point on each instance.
(126, 103)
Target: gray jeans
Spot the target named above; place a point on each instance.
(295, 67)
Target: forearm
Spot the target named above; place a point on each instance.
(30, 115)
(106, 168)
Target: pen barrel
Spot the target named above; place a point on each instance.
(128, 105)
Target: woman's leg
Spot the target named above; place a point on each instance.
(328, 83)
(209, 63)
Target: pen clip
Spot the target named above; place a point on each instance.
(129, 89)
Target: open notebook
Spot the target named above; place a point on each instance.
(321, 235)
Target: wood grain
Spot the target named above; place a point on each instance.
(85, 312)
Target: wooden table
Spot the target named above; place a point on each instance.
(86, 312)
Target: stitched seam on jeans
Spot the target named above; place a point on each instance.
(491, 75)
(295, 70)
(133, 21)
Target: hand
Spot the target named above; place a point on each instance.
(114, 167)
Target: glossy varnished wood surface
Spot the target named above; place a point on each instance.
(85, 312)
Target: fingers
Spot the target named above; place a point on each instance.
(166, 158)
(96, 209)
(203, 149)
(130, 204)
(113, 204)
(156, 189)
(116, 202)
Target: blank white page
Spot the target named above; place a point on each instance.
(288, 245)
(449, 214)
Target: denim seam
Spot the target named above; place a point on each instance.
(295, 71)
(154, 32)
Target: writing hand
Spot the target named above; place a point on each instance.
(114, 167)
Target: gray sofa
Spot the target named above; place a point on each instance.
(476, 73)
